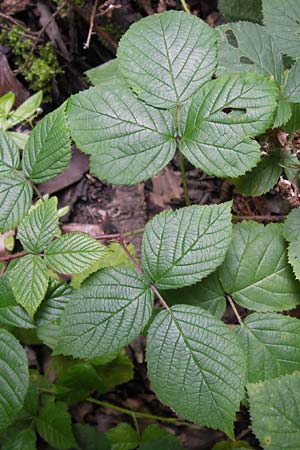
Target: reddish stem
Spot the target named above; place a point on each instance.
(11, 257)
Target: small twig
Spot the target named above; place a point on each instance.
(116, 236)
(18, 24)
(38, 37)
(92, 22)
(185, 6)
(8, 258)
(36, 190)
(160, 298)
(141, 415)
(228, 297)
(4, 268)
(136, 264)
(266, 217)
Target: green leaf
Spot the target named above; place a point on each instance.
(113, 257)
(22, 440)
(48, 334)
(240, 10)
(227, 445)
(128, 140)
(196, 366)
(14, 378)
(292, 85)
(26, 110)
(6, 103)
(48, 149)
(19, 139)
(108, 312)
(291, 165)
(270, 343)
(123, 437)
(256, 272)
(117, 371)
(275, 415)
(284, 111)
(166, 57)
(247, 47)
(15, 200)
(222, 118)
(155, 437)
(262, 178)
(9, 154)
(40, 226)
(29, 282)
(10, 312)
(294, 122)
(294, 256)
(54, 425)
(73, 253)
(88, 438)
(106, 74)
(282, 22)
(31, 403)
(291, 226)
(53, 305)
(181, 247)
(208, 294)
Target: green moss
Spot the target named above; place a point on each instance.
(38, 68)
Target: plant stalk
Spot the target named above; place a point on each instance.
(185, 6)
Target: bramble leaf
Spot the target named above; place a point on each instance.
(11, 313)
(88, 438)
(166, 57)
(22, 440)
(208, 294)
(73, 253)
(54, 425)
(40, 226)
(222, 118)
(282, 22)
(270, 343)
(122, 437)
(275, 414)
(14, 378)
(108, 312)
(181, 247)
(292, 85)
(256, 271)
(128, 140)
(48, 149)
(198, 379)
(9, 154)
(15, 200)
(106, 74)
(240, 10)
(291, 226)
(53, 305)
(26, 110)
(29, 282)
(262, 178)
(247, 47)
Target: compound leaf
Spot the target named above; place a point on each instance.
(73, 253)
(208, 294)
(270, 343)
(282, 22)
(48, 149)
(240, 10)
(262, 178)
(247, 47)
(9, 154)
(108, 312)
(196, 366)
(166, 57)
(29, 282)
(128, 140)
(14, 378)
(275, 412)
(15, 200)
(256, 271)
(54, 425)
(181, 247)
(40, 226)
(222, 118)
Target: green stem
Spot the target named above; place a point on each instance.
(184, 179)
(141, 415)
(185, 6)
